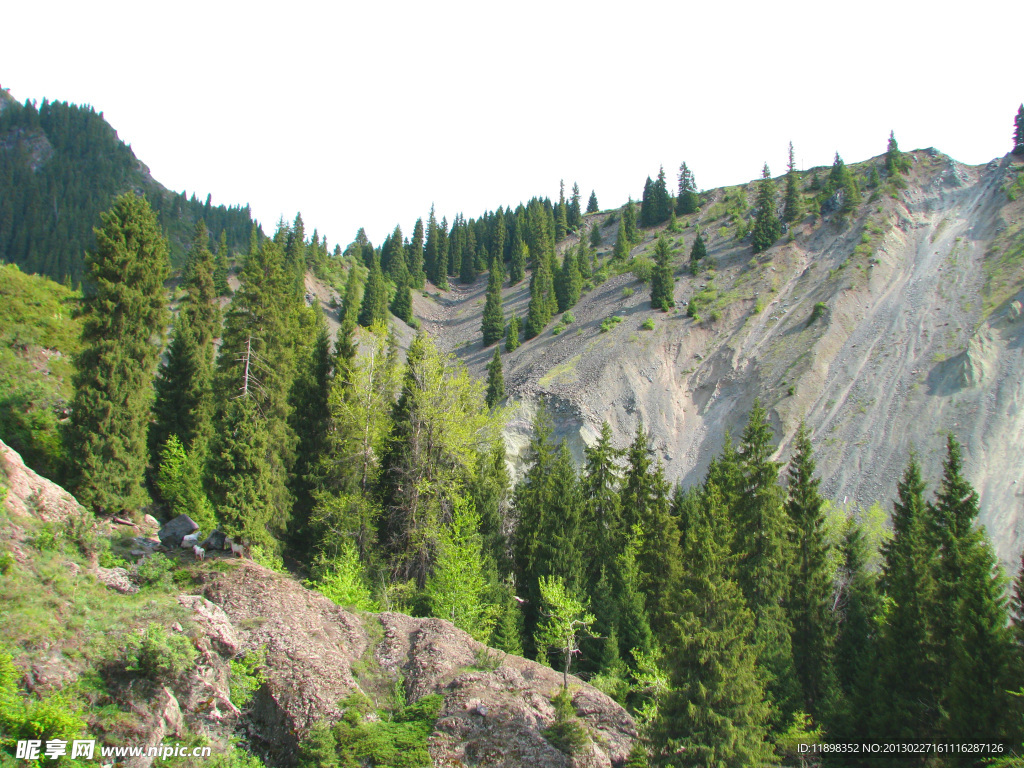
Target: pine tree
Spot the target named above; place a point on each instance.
(351, 301)
(495, 380)
(517, 268)
(414, 258)
(629, 214)
(647, 204)
(662, 285)
(542, 296)
(595, 236)
(687, 201)
(561, 223)
(492, 325)
(622, 247)
(715, 712)
(401, 304)
(220, 271)
(767, 227)
(512, 335)
(592, 206)
(569, 283)
(697, 252)
(374, 307)
(1018, 131)
(603, 525)
(810, 592)
(762, 546)
(971, 639)
(794, 203)
(906, 655)
(895, 161)
(467, 269)
(124, 314)
(574, 215)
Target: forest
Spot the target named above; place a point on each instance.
(735, 619)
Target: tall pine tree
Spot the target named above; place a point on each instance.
(124, 313)
(767, 227)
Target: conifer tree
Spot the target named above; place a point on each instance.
(351, 301)
(220, 270)
(124, 314)
(767, 227)
(595, 236)
(374, 306)
(686, 202)
(574, 216)
(401, 304)
(517, 268)
(569, 283)
(392, 256)
(810, 591)
(971, 639)
(441, 267)
(629, 216)
(622, 247)
(542, 297)
(253, 449)
(1018, 131)
(592, 206)
(906, 654)
(603, 525)
(794, 204)
(662, 285)
(895, 161)
(512, 336)
(467, 269)
(715, 712)
(492, 324)
(647, 204)
(417, 275)
(495, 380)
(561, 223)
(762, 546)
(697, 252)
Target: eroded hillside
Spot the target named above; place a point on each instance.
(884, 331)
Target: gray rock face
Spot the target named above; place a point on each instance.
(174, 531)
(215, 541)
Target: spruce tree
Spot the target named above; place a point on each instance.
(495, 380)
(767, 227)
(592, 206)
(512, 336)
(620, 252)
(762, 546)
(492, 325)
(1018, 131)
(220, 270)
(124, 313)
(595, 236)
(374, 307)
(351, 301)
(647, 204)
(810, 595)
(895, 161)
(697, 252)
(517, 268)
(687, 201)
(629, 215)
(542, 298)
(662, 285)
(603, 525)
(183, 401)
(414, 257)
(908, 707)
(715, 712)
(570, 281)
(794, 204)
(467, 269)
(401, 304)
(574, 215)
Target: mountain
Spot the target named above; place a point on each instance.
(883, 329)
(61, 165)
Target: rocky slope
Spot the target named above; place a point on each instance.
(495, 705)
(917, 332)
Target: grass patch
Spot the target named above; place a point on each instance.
(564, 373)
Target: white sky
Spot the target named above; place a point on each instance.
(362, 114)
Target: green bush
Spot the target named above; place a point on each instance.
(627, 292)
(154, 571)
(568, 317)
(648, 324)
(159, 656)
(107, 559)
(643, 268)
(566, 733)
(247, 676)
(819, 309)
(610, 322)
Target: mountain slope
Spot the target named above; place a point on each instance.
(883, 332)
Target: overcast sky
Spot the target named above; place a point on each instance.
(363, 114)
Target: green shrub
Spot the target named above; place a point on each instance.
(342, 580)
(6, 563)
(610, 322)
(159, 656)
(107, 559)
(643, 268)
(568, 317)
(247, 676)
(819, 309)
(154, 571)
(648, 324)
(627, 292)
(566, 734)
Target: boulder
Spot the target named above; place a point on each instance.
(117, 579)
(174, 531)
(214, 541)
